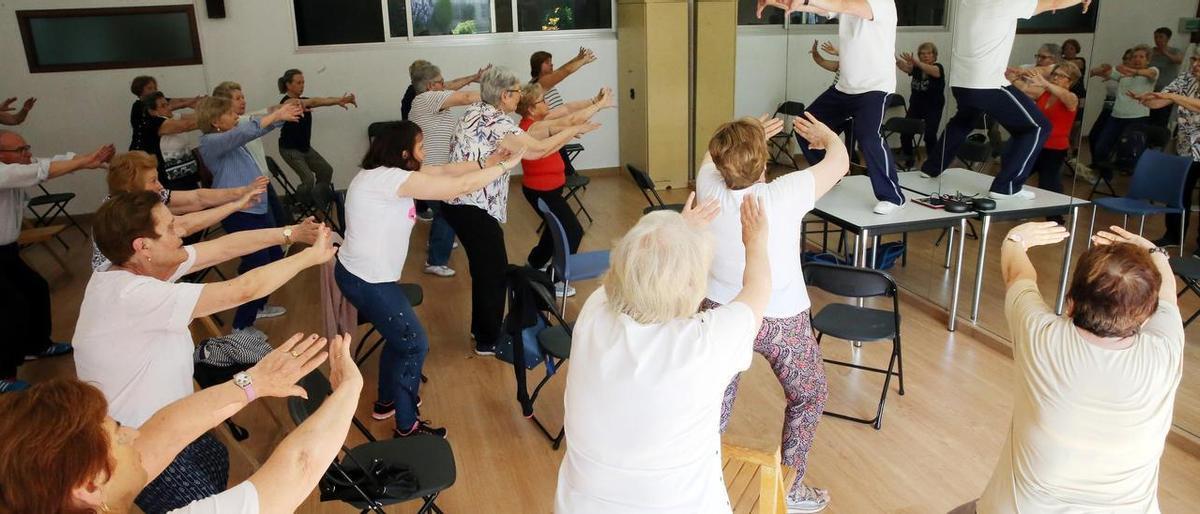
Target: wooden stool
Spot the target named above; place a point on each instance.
(750, 446)
(39, 236)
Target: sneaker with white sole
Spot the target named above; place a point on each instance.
(885, 207)
(271, 311)
(382, 411)
(1023, 194)
(561, 291)
(441, 271)
(808, 501)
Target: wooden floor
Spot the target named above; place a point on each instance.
(937, 448)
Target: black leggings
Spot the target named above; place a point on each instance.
(483, 240)
(544, 251)
(24, 310)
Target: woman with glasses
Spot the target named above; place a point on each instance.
(1058, 104)
(476, 216)
(1136, 77)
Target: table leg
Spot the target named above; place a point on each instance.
(874, 252)
(860, 260)
(1066, 264)
(950, 244)
(962, 229)
(983, 238)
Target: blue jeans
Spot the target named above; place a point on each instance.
(405, 343)
(237, 222)
(441, 238)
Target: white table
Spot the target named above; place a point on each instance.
(1044, 203)
(849, 206)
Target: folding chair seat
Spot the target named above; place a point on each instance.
(55, 205)
(1156, 138)
(429, 458)
(569, 266)
(1156, 188)
(646, 185)
(859, 324)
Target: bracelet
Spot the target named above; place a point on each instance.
(1159, 250)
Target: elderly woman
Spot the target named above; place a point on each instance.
(639, 337)
(430, 110)
(223, 150)
(735, 168)
(132, 339)
(24, 294)
(163, 136)
(1134, 78)
(295, 138)
(1058, 103)
(379, 222)
(476, 216)
(141, 86)
(65, 454)
(1184, 91)
(1094, 389)
(543, 179)
(928, 97)
(543, 73)
(196, 209)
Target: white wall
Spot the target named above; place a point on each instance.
(81, 110)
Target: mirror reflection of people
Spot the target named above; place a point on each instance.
(1057, 102)
(1167, 59)
(927, 98)
(983, 35)
(1133, 78)
(1184, 92)
(1094, 389)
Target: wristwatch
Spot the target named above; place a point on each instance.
(287, 236)
(243, 381)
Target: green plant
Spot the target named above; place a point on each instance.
(559, 18)
(466, 27)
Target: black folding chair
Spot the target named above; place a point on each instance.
(576, 181)
(55, 204)
(646, 185)
(297, 207)
(975, 155)
(859, 324)
(428, 457)
(781, 143)
(554, 340)
(1188, 269)
(913, 127)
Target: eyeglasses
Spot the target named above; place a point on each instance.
(1060, 75)
(1042, 56)
(514, 91)
(19, 149)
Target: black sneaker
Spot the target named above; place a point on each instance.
(422, 427)
(382, 411)
(484, 350)
(1165, 241)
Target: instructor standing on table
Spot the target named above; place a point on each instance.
(867, 45)
(983, 38)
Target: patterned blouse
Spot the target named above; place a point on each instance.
(477, 135)
(1188, 135)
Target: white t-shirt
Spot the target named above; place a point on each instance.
(1088, 423)
(132, 340)
(643, 406)
(983, 39)
(378, 225)
(240, 499)
(437, 125)
(786, 200)
(868, 50)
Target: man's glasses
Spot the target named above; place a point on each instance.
(19, 149)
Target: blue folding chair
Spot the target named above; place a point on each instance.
(570, 266)
(1156, 188)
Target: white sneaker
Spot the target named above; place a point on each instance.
(1023, 194)
(250, 331)
(271, 311)
(885, 207)
(441, 271)
(560, 292)
(811, 500)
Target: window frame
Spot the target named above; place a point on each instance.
(444, 40)
(24, 16)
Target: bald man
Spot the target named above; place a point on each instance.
(24, 295)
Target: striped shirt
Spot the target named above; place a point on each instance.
(553, 99)
(437, 125)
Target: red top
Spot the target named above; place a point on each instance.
(1061, 121)
(545, 174)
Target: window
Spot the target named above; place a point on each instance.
(910, 13)
(321, 22)
(109, 38)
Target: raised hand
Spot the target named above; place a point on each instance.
(908, 57)
(829, 48)
(306, 231)
(7, 104)
(771, 125)
(754, 223)
(322, 249)
(99, 158)
(1038, 233)
(584, 128)
(347, 99)
(342, 369)
(289, 111)
(252, 194)
(1036, 78)
(479, 74)
(700, 216)
(28, 105)
(275, 376)
(818, 135)
(1116, 234)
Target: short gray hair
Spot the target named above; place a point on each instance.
(494, 82)
(1052, 49)
(423, 76)
(659, 269)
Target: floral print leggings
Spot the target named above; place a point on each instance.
(790, 346)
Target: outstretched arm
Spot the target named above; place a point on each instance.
(552, 79)
(539, 148)
(446, 186)
(325, 101)
(462, 82)
(1014, 261)
(823, 62)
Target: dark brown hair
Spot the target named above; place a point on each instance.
(1164, 31)
(1114, 290)
(123, 218)
(535, 63)
(1074, 43)
(53, 440)
(150, 101)
(287, 79)
(394, 147)
(139, 83)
